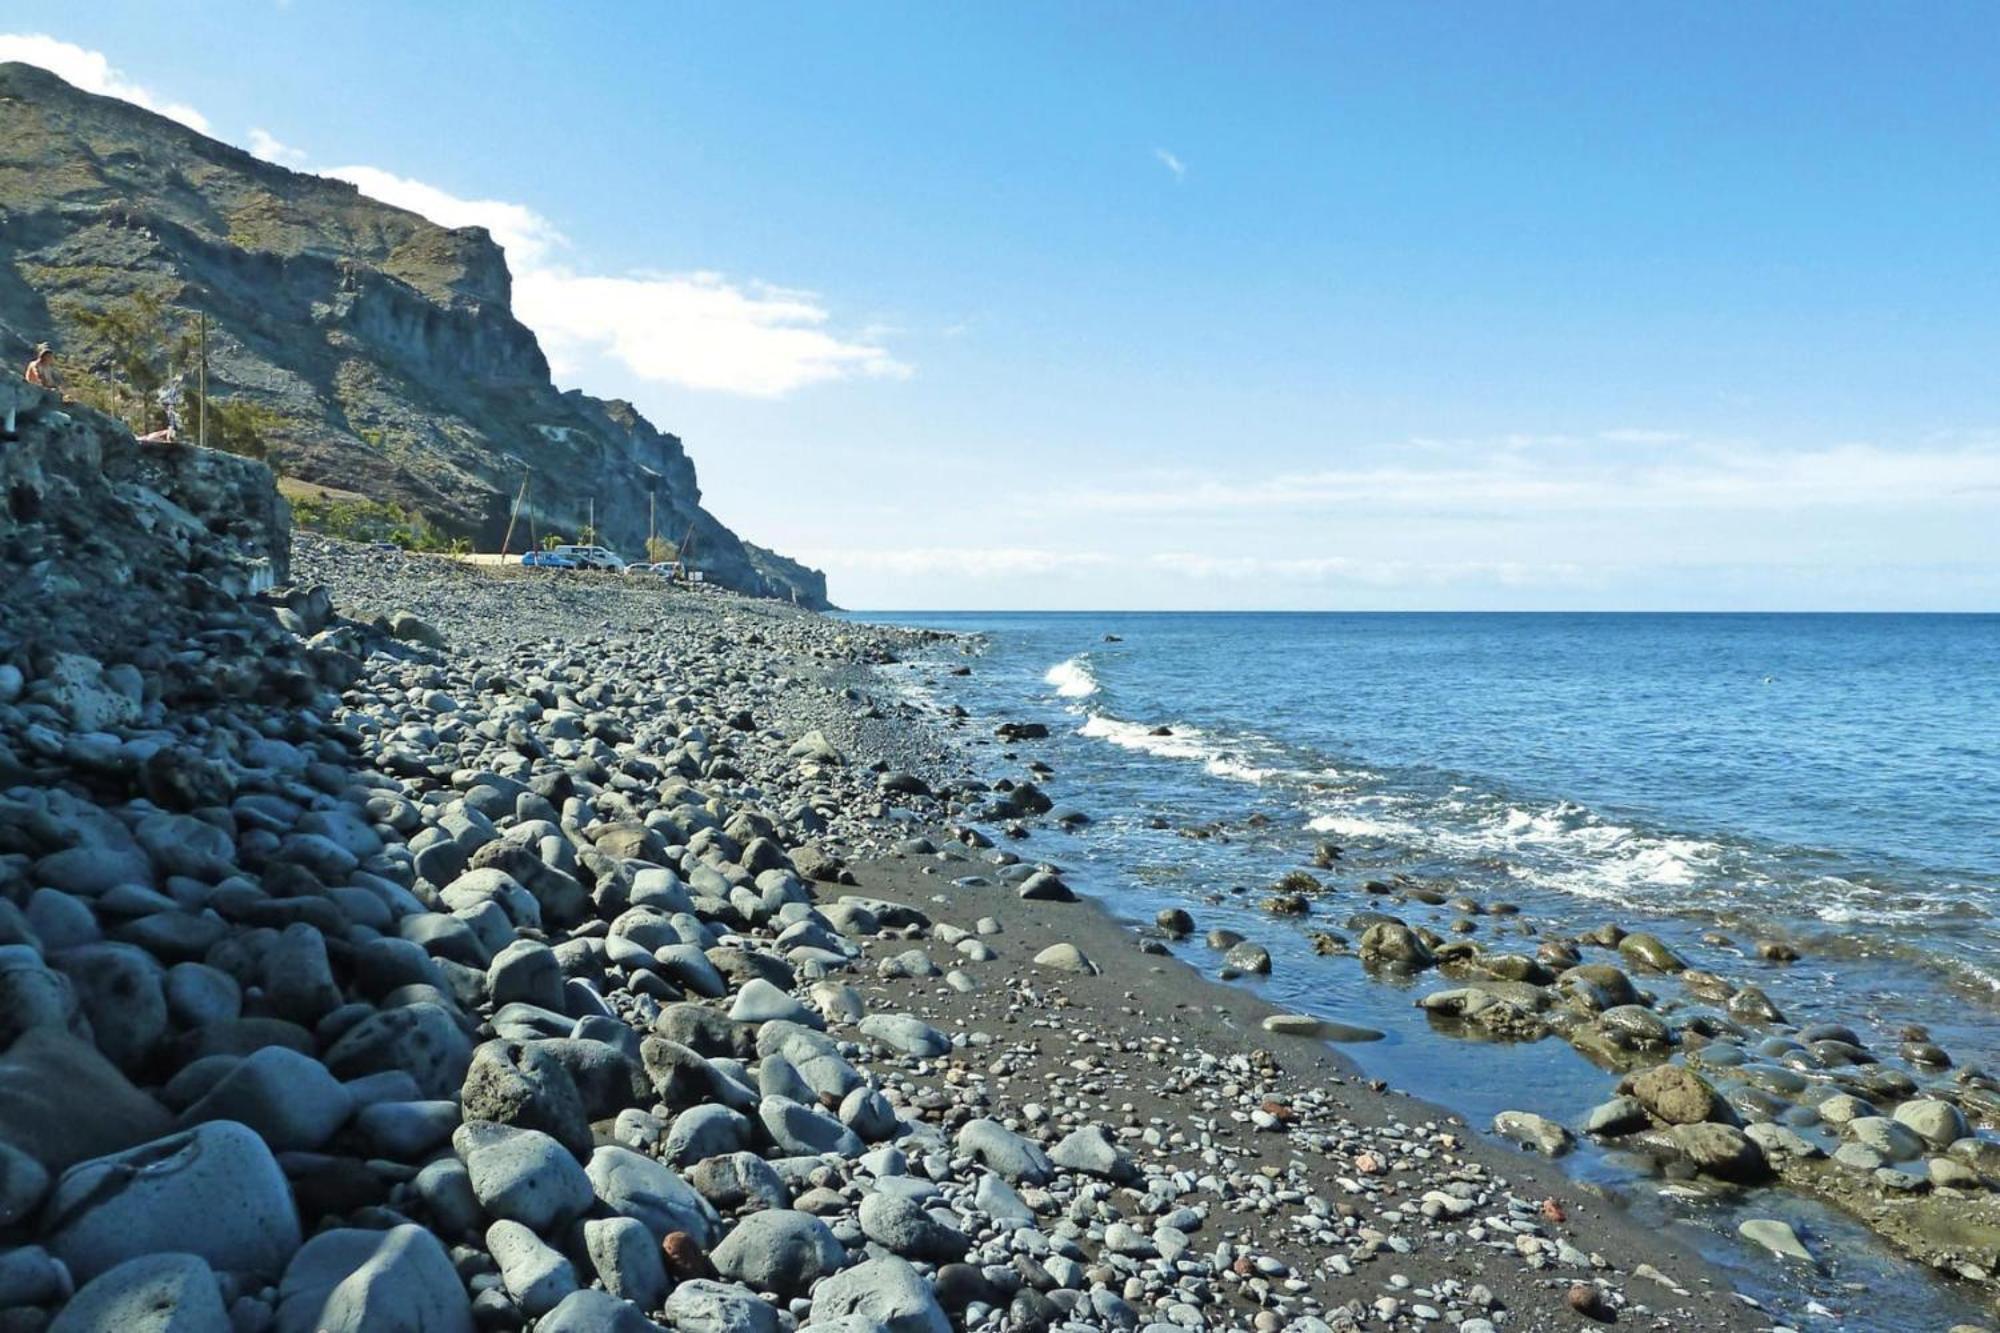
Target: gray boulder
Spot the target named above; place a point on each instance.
(535, 1275)
(888, 1291)
(739, 1179)
(62, 1102)
(517, 1083)
(901, 1224)
(1090, 1149)
(595, 1312)
(154, 1293)
(805, 1131)
(1007, 1154)
(424, 1039)
(640, 1188)
(286, 1097)
(780, 1251)
(214, 1191)
(906, 1035)
(522, 1175)
(702, 1306)
(627, 1260)
(354, 1281)
(701, 1132)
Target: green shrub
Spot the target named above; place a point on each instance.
(373, 521)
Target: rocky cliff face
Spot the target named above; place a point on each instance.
(384, 344)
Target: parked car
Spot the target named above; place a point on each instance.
(642, 567)
(547, 560)
(592, 557)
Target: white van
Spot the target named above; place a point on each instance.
(591, 557)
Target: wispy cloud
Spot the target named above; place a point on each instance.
(267, 145)
(528, 238)
(1011, 562)
(1171, 162)
(93, 72)
(972, 562)
(1339, 569)
(695, 330)
(1520, 482)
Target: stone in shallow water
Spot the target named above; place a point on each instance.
(1937, 1123)
(1533, 1131)
(1775, 1236)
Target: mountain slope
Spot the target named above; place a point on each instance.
(384, 344)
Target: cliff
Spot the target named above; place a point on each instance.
(383, 347)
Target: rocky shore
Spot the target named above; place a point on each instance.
(388, 944)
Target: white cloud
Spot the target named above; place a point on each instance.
(1669, 477)
(1171, 163)
(93, 72)
(697, 330)
(267, 145)
(528, 237)
(975, 562)
(1378, 573)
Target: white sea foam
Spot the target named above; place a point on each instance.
(1564, 847)
(1072, 678)
(1180, 742)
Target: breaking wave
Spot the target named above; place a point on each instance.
(1072, 678)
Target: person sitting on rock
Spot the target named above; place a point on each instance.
(41, 372)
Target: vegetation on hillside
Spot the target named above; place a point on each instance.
(138, 355)
(360, 520)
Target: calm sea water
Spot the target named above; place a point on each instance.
(1833, 780)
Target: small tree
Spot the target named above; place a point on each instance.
(239, 426)
(550, 542)
(586, 535)
(135, 349)
(660, 551)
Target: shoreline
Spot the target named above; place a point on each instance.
(1947, 1222)
(1642, 1272)
(486, 941)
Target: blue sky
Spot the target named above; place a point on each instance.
(1164, 305)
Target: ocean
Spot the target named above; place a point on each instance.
(1829, 781)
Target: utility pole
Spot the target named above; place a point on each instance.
(507, 542)
(592, 525)
(201, 381)
(652, 507)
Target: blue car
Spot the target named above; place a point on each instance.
(547, 560)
